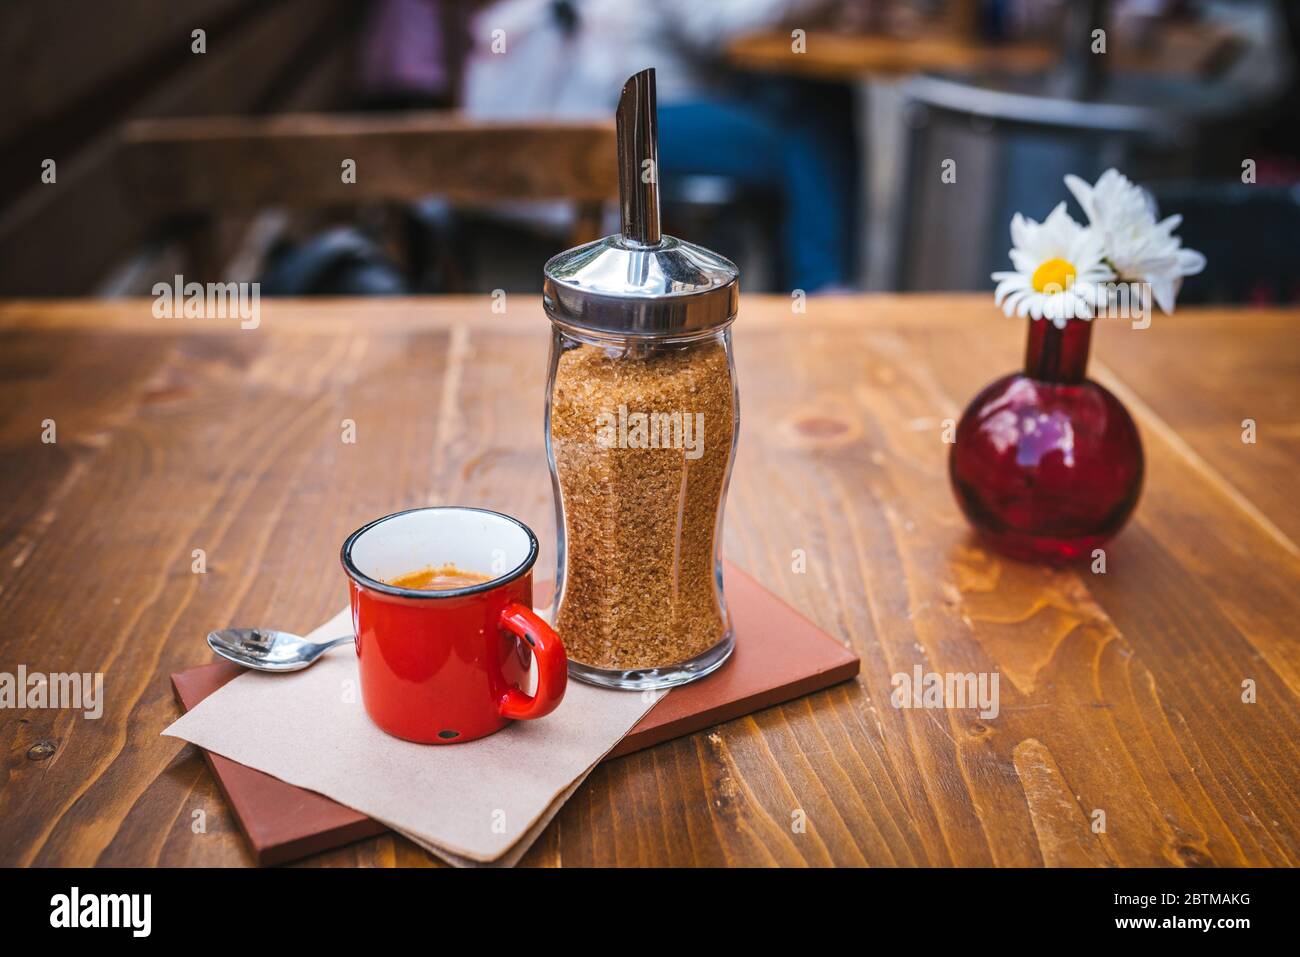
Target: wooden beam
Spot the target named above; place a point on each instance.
(225, 163)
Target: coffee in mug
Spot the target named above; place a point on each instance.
(439, 578)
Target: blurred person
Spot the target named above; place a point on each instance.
(404, 57)
(569, 58)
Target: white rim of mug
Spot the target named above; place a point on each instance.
(361, 578)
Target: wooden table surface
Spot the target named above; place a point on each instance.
(1120, 692)
(1179, 50)
(834, 56)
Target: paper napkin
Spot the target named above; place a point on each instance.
(479, 802)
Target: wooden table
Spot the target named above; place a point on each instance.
(1120, 692)
(833, 56)
(1176, 50)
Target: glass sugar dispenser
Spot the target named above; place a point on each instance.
(642, 417)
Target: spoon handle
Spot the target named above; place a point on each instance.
(335, 642)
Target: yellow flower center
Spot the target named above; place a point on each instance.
(1054, 276)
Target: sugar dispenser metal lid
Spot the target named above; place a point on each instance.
(640, 282)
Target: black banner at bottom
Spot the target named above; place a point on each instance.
(339, 906)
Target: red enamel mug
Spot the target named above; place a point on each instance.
(442, 667)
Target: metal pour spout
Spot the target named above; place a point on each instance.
(638, 159)
(639, 283)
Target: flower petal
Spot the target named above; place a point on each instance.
(1007, 287)
(1190, 262)
(1082, 192)
(1165, 292)
(1019, 231)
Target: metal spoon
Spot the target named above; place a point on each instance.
(268, 650)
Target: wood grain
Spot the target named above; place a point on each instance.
(1180, 50)
(241, 162)
(1120, 692)
(844, 57)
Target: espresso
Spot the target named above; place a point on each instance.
(440, 578)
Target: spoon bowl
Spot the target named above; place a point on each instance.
(267, 650)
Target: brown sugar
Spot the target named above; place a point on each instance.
(641, 499)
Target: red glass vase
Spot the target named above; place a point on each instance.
(1047, 464)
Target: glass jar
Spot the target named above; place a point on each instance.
(641, 424)
(641, 434)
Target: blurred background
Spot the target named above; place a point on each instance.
(341, 147)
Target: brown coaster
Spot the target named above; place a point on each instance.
(779, 655)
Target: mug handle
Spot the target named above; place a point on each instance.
(548, 654)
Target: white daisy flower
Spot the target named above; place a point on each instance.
(1137, 247)
(1059, 265)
